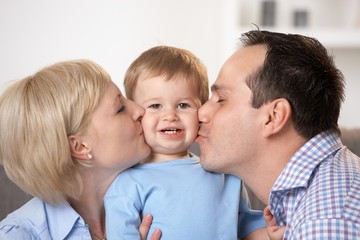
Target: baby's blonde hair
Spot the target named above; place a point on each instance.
(37, 115)
(170, 62)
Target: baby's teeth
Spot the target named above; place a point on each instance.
(170, 131)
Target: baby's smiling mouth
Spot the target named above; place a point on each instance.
(171, 130)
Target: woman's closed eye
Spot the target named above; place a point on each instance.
(220, 100)
(121, 109)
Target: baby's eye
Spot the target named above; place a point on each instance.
(183, 105)
(155, 106)
(121, 109)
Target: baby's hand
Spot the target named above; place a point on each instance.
(273, 231)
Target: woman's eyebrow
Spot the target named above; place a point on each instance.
(117, 100)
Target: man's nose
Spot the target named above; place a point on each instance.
(204, 113)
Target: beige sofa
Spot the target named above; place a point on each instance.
(12, 197)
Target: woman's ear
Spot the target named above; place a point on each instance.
(78, 149)
(278, 115)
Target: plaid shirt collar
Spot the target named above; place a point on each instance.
(300, 167)
(299, 172)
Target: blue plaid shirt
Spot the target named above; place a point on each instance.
(317, 196)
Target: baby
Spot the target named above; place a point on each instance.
(186, 201)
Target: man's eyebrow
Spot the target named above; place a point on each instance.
(216, 87)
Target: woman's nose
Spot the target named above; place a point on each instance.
(137, 111)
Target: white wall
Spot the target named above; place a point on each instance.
(348, 61)
(35, 33)
(112, 32)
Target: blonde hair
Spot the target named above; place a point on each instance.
(169, 62)
(37, 115)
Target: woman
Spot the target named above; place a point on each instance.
(65, 133)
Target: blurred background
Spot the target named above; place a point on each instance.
(113, 33)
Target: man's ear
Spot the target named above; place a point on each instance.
(278, 115)
(77, 148)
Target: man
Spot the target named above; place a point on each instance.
(272, 121)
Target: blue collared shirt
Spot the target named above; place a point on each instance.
(38, 220)
(317, 196)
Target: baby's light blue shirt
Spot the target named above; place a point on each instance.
(186, 202)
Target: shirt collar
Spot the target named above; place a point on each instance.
(63, 219)
(300, 167)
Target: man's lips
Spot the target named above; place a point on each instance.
(200, 137)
